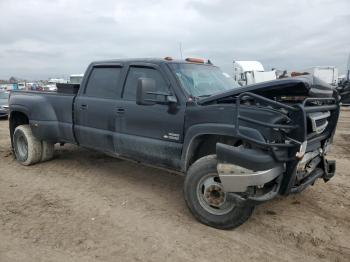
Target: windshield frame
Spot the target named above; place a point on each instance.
(185, 89)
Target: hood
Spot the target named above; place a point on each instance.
(297, 86)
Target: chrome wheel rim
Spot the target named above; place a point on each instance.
(212, 197)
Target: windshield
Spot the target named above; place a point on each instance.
(202, 80)
(4, 95)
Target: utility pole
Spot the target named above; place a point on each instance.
(348, 70)
(180, 47)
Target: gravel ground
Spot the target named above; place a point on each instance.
(85, 206)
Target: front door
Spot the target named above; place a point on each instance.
(150, 133)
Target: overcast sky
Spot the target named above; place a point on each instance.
(41, 39)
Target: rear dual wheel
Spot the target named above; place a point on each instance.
(47, 151)
(28, 149)
(207, 200)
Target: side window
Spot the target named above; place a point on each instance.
(103, 82)
(137, 72)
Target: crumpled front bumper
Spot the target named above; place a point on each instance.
(238, 179)
(240, 169)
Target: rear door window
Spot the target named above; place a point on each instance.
(142, 72)
(103, 82)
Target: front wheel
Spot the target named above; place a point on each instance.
(207, 200)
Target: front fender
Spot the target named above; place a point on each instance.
(253, 159)
(196, 131)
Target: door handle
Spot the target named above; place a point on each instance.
(83, 107)
(120, 110)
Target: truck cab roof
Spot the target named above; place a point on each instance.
(153, 61)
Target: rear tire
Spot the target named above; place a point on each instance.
(217, 210)
(28, 149)
(48, 149)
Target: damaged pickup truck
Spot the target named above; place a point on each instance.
(238, 147)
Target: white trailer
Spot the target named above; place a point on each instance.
(51, 86)
(76, 79)
(328, 74)
(251, 72)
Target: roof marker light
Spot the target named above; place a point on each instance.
(195, 60)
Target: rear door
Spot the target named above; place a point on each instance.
(150, 133)
(95, 108)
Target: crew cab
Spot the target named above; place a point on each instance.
(237, 146)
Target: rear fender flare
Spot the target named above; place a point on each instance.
(40, 113)
(19, 108)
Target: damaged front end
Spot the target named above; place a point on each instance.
(292, 152)
(246, 184)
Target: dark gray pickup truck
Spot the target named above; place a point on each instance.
(237, 146)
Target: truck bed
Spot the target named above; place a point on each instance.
(51, 113)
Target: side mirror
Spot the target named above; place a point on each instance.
(144, 86)
(146, 93)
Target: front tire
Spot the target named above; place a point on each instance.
(28, 149)
(206, 199)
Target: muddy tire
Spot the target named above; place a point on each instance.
(206, 199)
(48, 149)
(27, 148)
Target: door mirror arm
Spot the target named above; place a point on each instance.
(146, 93)
(169, 98)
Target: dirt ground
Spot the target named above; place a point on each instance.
(84, 206)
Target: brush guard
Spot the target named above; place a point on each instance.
(297, 140)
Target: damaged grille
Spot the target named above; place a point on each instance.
(318, 121)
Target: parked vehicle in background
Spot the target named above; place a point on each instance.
(21, 86)
(4, 104)
(51, 86)
(251, 72)
(328, 74)
(238, 146)
(344, 86)
(76, 79)
(37, 87)
(8, 87)
(344, 91)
